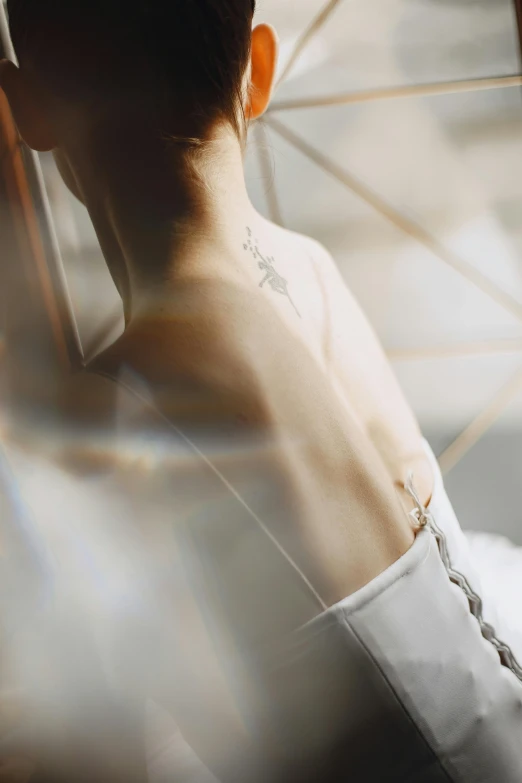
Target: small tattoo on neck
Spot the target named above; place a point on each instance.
(276, 282)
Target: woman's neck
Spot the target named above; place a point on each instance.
(160, 208)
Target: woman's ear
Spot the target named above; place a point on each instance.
(28, 107)
(265, 50)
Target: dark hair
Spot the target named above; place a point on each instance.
(188, 54)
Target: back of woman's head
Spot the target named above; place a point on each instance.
(186, 56)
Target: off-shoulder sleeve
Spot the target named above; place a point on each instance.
(397, 683)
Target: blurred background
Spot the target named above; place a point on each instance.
(395, 139)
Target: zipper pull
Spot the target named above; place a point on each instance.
(419, 514)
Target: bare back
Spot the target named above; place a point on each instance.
(259, 341)
(305, 288)
(247, 358)
(351, 355)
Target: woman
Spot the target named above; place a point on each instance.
(321, 636)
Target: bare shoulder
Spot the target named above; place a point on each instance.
(303, 250)
(302, 244)
(325, 266)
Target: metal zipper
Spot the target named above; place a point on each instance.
(423, 518)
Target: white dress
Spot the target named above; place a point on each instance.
(424, 694)
(410, 679)
(491, 564)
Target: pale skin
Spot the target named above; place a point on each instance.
(249, 313)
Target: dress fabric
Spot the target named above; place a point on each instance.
(491, 563)
(400, 682)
